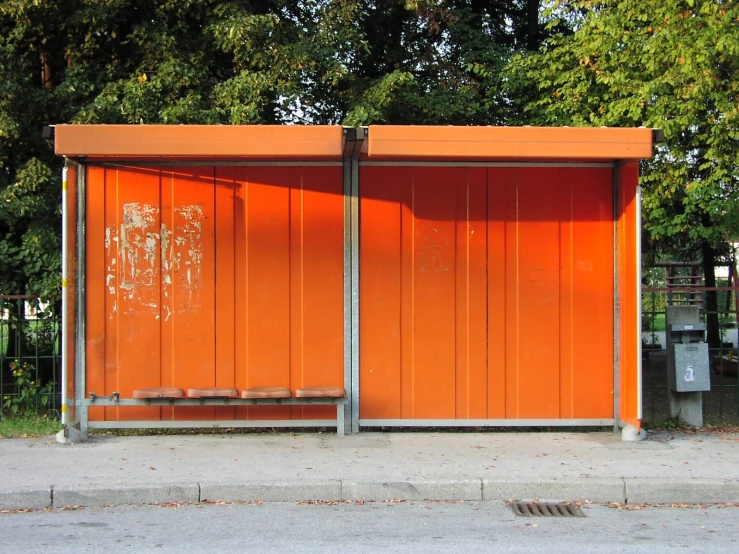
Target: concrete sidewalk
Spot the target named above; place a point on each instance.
(665, 468)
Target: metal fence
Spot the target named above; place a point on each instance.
(30, 337)
(721, 403)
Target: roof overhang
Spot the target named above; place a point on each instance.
(199, 142)
(509, 143)
(333, 142)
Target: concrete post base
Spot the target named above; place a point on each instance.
(69, 435)
(630, 434)
(687, 406)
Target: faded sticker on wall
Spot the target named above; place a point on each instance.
(146, 257)
(434, 252)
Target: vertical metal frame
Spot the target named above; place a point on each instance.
(80, 354)
(347, 292)
(353, 144)
(354, 200)
(616, 307)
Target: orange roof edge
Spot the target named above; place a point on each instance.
(508, 143)
(200, 141)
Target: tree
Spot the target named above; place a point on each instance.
(672, 65)
(354, 62)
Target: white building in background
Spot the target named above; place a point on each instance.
(723, 271)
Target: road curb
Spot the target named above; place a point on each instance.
(21, 500)
(622, 490)
(413, 489)
(272, 492)
(153, 494)
(591, 489)
(669, 491)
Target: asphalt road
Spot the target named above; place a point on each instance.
(371, 527)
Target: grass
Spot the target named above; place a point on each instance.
(26, 427)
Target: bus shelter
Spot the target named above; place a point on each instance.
(438, 276)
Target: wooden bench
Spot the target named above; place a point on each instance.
(217, 396)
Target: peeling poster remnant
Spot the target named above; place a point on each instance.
(187, 253)
(142, 250)
(138, 246)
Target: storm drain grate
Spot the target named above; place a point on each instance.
(545, 509)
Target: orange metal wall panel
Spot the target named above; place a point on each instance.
(422, 341)
(532, 297)
(499, 241)
(267, 233)
(550, 256)
(214, 277)
(471, 311)
(500, 289)
(587, 295)
(629, 299)
(317, 249)
(188, 213)
(380, 289)
(225, 289)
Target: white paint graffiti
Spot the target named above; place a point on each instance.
(138, 241)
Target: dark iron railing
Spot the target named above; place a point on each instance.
(30, 337)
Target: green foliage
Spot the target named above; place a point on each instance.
(29, 393)
(672, 65)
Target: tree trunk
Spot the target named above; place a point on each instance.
(532, 18)
(709, 276)
(46, 75)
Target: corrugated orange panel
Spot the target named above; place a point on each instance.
(471, 292)
(267, 237)
(407, 299)
(199, 141)
(380, 291)
(225, 275)
(234, 177)
(550, 265)
(501, 194)
(433, 291)
(507, 143)
(586, 382)
(534, 220)
(629, 301)
(317, 282)
(423, 333)
(188, 201)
